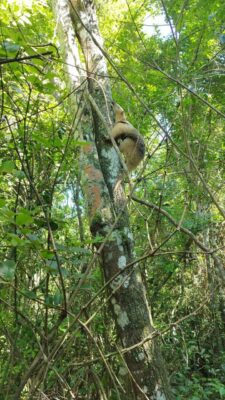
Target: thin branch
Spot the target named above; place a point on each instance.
(170, 218)
(19, 59)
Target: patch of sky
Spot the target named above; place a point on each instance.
(156, 24)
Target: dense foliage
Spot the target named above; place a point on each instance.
(172, 87)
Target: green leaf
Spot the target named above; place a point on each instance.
(19, 174)
(52, 266)
(24, 218)
(7, 269)
(47, 254)
(6, 216)
(2, 202)
(7, 166)
(16, 241)
(54, 300)
(30, 294)
(222, 391)
(57, 299)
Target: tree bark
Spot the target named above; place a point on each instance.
(101, 168)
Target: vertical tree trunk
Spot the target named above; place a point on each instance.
(101, 169)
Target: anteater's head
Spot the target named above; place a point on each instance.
(119, 113)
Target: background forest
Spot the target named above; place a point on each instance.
(166, 68)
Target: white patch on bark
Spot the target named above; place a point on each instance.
(122, 317)
(128, 233)
(117, 308)
(105, 213)
(117, 237)
(158, 394)
(141, 356)
(139, 279)
(120, 281)
(110, 154)
(123, 371)
(122, 261)
(116, 282)
(126, 283)
(119, 240)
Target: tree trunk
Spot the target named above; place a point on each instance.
(108, 215)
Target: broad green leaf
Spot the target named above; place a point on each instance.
(46, 254)
(52, 266)
(30, 294)
(16, 241)
(7, 166)
(19, 174)
(24, 218)
(2, 202)
(7, 269)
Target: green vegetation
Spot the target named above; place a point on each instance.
(172, 88)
